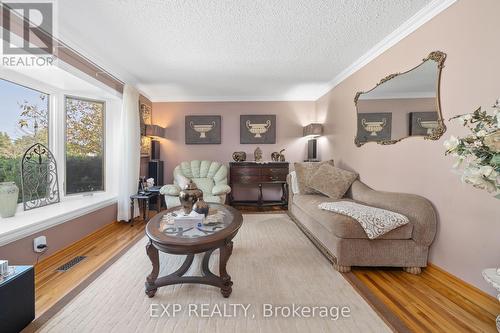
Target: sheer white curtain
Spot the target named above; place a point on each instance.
(129, 145)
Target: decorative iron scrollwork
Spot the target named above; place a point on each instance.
(40, 185)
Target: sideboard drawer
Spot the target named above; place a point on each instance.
(245, 171)
(248, 179)
(274, 178)
(276, 171)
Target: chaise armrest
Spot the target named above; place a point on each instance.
(221, 189)
(418, 209)
(171, 189)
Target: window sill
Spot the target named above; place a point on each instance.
(26, 223)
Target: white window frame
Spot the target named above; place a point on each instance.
(65, 97)
(71, 206)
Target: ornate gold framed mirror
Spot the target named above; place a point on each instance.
(403, 105)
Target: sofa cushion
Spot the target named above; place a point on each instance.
(340, 225)
(304, 172)
(332, 181)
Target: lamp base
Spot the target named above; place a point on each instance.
(312, 151)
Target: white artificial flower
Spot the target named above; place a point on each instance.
(486, 170)
(451, 143)
(475, 177)
(463, 119)
(458, 162)
(477, 144)
(481, 133)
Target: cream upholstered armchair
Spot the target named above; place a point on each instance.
(209, 176)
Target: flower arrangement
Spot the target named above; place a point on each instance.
(479, 152)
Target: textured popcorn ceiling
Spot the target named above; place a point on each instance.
(229, 50)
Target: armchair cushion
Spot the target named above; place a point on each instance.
(181, 180)
(170, 189)
(221, 189)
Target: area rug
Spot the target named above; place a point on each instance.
(282, 283)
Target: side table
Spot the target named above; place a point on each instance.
(143, 202)
(17, 296)
(493, 277)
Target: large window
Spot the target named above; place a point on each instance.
(84, 145)
(23, 122)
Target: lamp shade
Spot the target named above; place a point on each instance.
(313, 129)
(155, 131)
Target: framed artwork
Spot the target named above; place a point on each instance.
(146, 116)
(145, 146)
(374, 126)
(423, 123)
(258, 129)
(203, 130)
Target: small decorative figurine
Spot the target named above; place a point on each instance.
(258, 155)
(278, 157)
(239, 156)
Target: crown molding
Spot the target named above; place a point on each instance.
(413, 23)
(213, 99)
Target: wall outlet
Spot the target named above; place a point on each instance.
(40, 244)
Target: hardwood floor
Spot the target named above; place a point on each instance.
(434, 301)
(99, 247)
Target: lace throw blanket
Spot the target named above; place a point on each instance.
(375, 221)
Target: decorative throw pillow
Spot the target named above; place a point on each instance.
(304, 172)
(331, 181)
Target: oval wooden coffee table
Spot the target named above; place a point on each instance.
(168, 238)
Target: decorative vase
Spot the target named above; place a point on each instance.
(239, 156)
(189, 195)
(9, 192)
(201, 207)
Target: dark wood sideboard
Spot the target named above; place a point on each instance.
(259, 174)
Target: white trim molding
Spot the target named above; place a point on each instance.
(416, 21)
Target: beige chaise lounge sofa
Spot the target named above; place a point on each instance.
(344, 241)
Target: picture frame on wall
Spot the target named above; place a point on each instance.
(374, 126)
(203, 130)
(258, 129)
(145, 116)
(145, 146)
(423, 123)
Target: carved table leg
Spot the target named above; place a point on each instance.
(146, 211)
(131, 212)
(225, 253)
(260, 198)
(155, 261)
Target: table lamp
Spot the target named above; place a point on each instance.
(313, 131)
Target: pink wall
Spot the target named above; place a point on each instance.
(290, 118)
(21, 251)
(468, 238)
